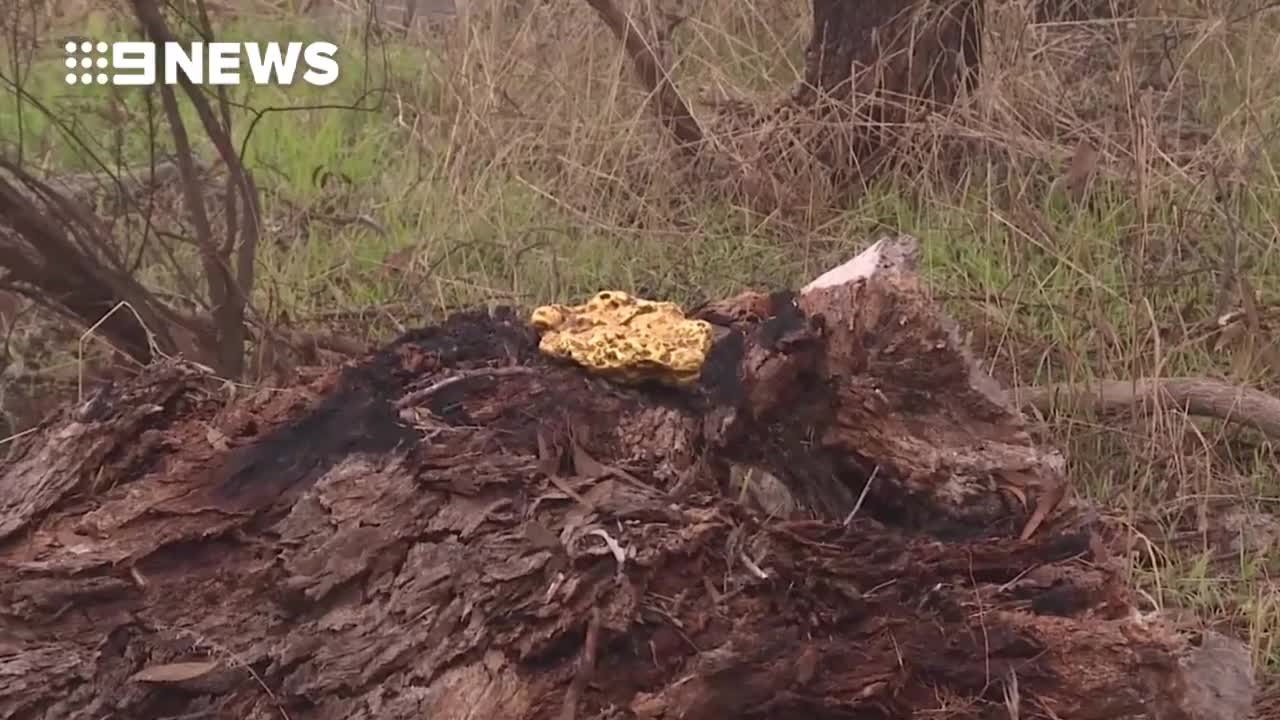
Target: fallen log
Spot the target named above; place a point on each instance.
(458, 526)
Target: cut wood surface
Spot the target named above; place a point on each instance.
(458, 526)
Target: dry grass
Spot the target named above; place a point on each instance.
(1112, 173)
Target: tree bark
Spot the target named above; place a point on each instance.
(872, 68)
(459, 527)
(924, 49)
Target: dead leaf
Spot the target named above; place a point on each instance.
(216, 439)
(174, 672)
(548, 454)
(541, 537)
(1048, 500)
(584, 465)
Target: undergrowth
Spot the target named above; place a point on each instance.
(510, 159)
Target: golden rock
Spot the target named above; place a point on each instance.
(626, 339)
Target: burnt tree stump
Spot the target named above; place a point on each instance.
(459, 527)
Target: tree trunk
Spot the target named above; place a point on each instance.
(924, 49)
(459, 527)
(872, 68)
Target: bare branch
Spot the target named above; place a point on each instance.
(60, 256)
(228, 291)
(668, 104)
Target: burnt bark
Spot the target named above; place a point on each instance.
(459, 527)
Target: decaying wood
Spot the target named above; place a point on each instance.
(460, 527)
(909, 399)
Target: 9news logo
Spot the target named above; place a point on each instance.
(199, 63)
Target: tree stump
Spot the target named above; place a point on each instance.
(460, 527)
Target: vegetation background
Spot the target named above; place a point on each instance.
(1115, 215)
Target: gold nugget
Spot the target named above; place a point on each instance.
(626, 339)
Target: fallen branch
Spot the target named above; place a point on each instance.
(229, 286)
(327, 341)
(1203, 397)
(122, 186)
(56, 252)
